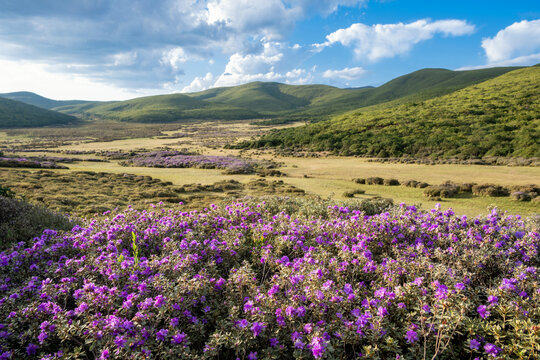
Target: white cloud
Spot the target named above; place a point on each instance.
(200, 83)
(24, 75)
(174, 57)
(388, 40)
(526, 60)
(271, 64)
(346, 74)
(125, 58)
(517, 40)
(140, 44)
(270, 17)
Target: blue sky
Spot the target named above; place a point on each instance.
(120, 49)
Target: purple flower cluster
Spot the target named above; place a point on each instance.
(19, 162)
(175, 159)
(203, 285)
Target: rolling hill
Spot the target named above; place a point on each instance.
(270, 100)
(40, 101)
(499, 117)
(164, 108)
(317, 102)
(15, 114)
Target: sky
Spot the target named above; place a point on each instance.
(122, 49)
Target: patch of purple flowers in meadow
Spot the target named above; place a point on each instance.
(245, 281)
(21, 162)
(176, 159)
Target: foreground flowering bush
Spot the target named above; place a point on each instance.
(247, 281)
(176, 159)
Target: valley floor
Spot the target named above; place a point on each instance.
(324, 176)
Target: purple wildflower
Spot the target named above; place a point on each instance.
(317, 347)
(411, 336)
(492, 350)
(161, 335)
(482, 311)
(474, 344)
(31, 349)
(257, 328)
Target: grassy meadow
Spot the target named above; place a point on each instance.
(324, 176)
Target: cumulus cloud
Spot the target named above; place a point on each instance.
(200, 83)
(388, 40)
(23, 75)
(144, 43)
(174, 57)
(272, 63)
(516, 41)
(352, 73)
(271, 18)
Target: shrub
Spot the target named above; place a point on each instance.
(465, 187)
(532, 190)
(409, 183)
(351, 193)
(390, 182)
(490, 190)
(360, 180)
(374, 181)
(6, 192)
(446, 190)
(520, 196)
(21, 221)
(285, 278)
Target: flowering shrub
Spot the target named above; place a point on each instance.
(176, 159)
(249, 281)
(29, 163)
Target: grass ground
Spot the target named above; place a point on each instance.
(322, 176)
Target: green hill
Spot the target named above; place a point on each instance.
(40, 101)
(316, 102)
(499, 117)
(166, 108)
(269, 99)
(15, 114)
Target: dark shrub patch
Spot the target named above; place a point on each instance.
(490, 190)
(374, 181)
(390, 182)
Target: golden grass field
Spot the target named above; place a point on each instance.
(325, 176)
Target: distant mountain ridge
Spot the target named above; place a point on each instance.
(39, 101)
(267, 100)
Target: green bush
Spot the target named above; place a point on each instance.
(374, 181)
(351, 193)
(490, 190)
(446, 190)
(520, 196)
(390, 182)
(21, 221)
(6, 192)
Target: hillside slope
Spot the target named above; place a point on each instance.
(269, 99)
(167, 108)
(40, 101)
(316, 102)
(15, 114)
(499, 117)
